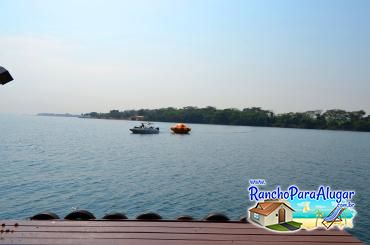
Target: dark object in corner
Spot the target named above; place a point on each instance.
(115, 216)
(5, 76)
(45, 216)
(80, 215)
(149, 216)
(216, 217)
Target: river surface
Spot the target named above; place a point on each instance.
(60, 164)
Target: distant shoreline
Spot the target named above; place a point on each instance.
(114, 119)
(56, 115)
(335, 119)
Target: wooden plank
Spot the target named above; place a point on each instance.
(191, 230)
(158, 232)
(146, 242)
(176, 230)
(124, 226)
(151, 224)
(180, 236)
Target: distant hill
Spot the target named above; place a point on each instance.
(57, 115)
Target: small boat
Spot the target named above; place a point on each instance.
(145, 129)
(181, 129)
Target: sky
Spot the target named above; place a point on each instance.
(79, 56)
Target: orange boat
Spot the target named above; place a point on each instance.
(181, 129)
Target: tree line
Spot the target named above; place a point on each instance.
(334, 119)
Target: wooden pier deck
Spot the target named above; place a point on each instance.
(134, 232)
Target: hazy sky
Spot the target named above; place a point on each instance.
(82, 56)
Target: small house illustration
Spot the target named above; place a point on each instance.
(271, 212)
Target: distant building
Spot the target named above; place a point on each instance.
(271, 212)
(136, 118)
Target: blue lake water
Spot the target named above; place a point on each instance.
(59, 164)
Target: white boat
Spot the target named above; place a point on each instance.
(145, 129)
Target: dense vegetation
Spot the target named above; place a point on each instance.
(255, 116)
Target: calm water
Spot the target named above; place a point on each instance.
(59, 164)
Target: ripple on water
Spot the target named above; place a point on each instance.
(60, 164)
